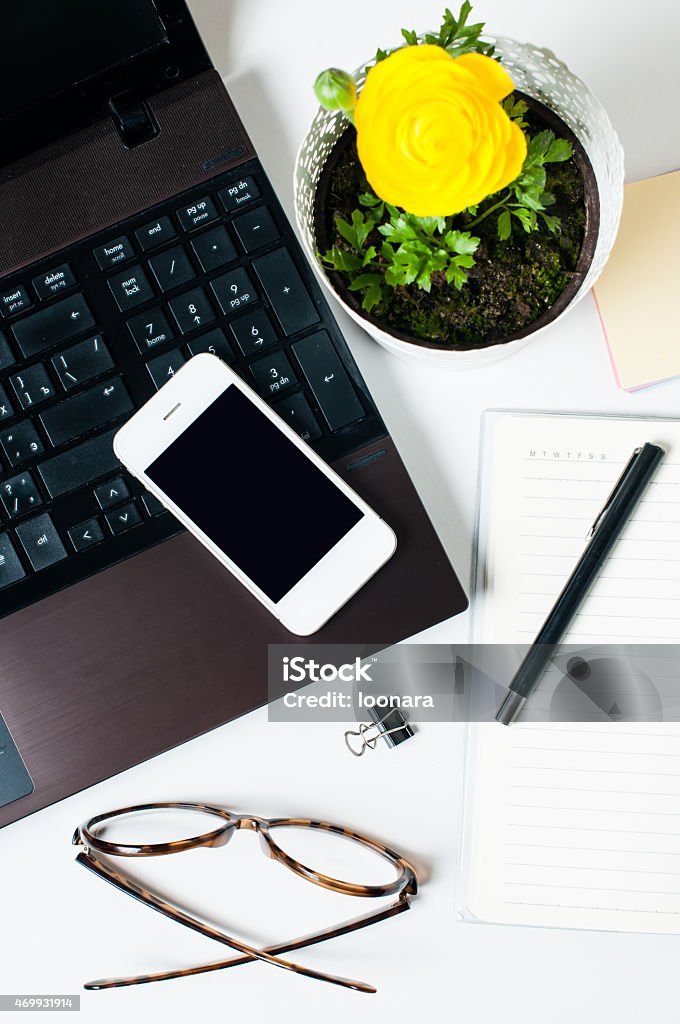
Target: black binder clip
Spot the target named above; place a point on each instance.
(392, 727)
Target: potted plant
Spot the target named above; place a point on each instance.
(458, 193)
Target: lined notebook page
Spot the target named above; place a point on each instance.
(549, 477)
(575, 825)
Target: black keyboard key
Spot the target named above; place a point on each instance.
(155, 233)
(41, 542)
(14, 300)
(215, 342)
(123, 518)
(297, 413)
(233, 290)
(86, 534)
(82, 362)
(32, 386)
(79, 466)
(21, 442)
(285, 291)
(20, 494)
(192, 310)
(238, 193)
(273, 374)
(153, 506)
(6, 409)
(130, 289)
(196, 214)
(150, 329)
(11, 568)
(214, 249)
(112, 493)
(256, 229)
(328, 380)
(254, 332)
(114, 252)
(162, 368)
(93, 408)
(54, 325)
(6, 355)
(53, 281)
(172, 268)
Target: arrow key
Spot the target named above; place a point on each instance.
(123, 518)
(86, 534)
(254, 332)
(113, 492)
(192, 310)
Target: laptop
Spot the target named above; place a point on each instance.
(139, 228)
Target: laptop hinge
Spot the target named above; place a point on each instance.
(133, 118)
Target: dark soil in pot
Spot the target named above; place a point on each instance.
(514, 288)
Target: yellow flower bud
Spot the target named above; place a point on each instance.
(432, 135)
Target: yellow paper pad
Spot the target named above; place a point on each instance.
(637, 294)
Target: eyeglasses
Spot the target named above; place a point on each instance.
(89, 836)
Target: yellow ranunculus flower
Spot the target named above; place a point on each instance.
(432, 135)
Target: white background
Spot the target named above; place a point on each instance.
(60, 926)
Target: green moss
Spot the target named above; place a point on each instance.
(512, 282)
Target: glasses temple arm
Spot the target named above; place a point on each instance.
(148, 899)
(398, 907)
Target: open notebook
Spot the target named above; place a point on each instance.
(574, 825)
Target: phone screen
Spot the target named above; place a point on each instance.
(254, 493)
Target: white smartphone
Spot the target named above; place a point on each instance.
(255, 494)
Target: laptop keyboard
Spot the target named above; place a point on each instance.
(89, 334)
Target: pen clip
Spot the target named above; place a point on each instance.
(615, 490)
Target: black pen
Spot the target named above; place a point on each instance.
(604, 532)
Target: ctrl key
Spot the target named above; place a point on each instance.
(11, 569)
(41, 542)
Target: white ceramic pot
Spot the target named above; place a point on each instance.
(538, 73)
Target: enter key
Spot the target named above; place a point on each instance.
(328, 380)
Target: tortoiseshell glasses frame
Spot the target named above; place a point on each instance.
(404, 886)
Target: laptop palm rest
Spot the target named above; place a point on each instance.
(167, 645)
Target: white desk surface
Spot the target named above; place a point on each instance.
(60, 926)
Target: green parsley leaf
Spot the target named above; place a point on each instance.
(357, 232)
(341, 259)
(374, 289)
(504, 226)
(558, 151)
(461, 242)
